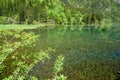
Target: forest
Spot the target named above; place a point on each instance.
(59, 40)
(59, 11)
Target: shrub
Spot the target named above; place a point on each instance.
(106, 24)
(3, 20)
(10, 20)
(58, 66)
(23, 61)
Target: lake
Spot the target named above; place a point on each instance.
(89, 54)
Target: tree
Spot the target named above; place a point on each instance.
(21, 62)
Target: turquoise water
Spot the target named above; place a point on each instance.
(89, 54)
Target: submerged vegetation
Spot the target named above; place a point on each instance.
(87, 55)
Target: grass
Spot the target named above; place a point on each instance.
(6, 27)
(22, 26)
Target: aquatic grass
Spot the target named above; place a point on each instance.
(88, 55)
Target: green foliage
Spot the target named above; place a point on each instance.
(29, 11)
(63, 12)
(106, 24)
(61, 77)
(55, 11)
(14, 40)
(3, 19)
(60, 11)
(11, 42)
(58, 66)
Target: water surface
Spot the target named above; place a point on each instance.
(89, 54)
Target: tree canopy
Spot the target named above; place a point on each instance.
(60, 11)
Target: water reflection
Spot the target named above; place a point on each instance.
(89, 55)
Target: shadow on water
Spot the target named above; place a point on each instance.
(88, 55)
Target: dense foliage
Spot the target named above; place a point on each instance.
(11, 43)
(59, 11)
(17, 57)
(37, 10)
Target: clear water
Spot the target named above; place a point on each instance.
(89, 54)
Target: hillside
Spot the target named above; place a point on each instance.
(106, 8)
(59, 11)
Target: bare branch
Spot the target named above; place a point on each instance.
(11, 39)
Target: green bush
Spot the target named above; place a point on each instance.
(12, 42)
(58, 66)
(23, 62)
(3, 20)
(106, 24)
